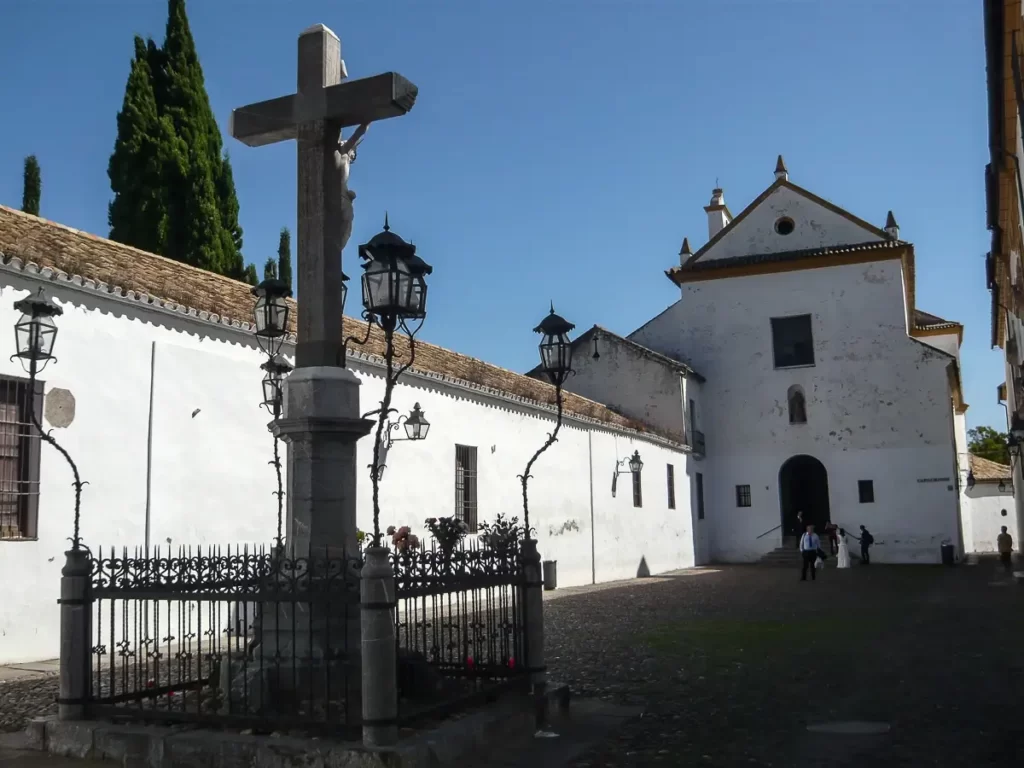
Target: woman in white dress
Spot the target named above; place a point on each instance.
(844, 550)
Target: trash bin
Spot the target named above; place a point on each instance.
(550, 575)
(948, 557)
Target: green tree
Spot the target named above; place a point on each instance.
(989, 444)
(32, 187)
(284, 257)
(270, 269)
(250, 275)
(138, 214)
(174, 191)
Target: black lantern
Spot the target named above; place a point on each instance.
(394, 277)
(36, 330)
(555, 347)
(271, 314)
(1002, 486)
(273, 393)
(970, 479)
(416, 425)
(344, 290)
(635, 464)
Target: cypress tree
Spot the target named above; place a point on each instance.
(284, 257)
(174, 192)
(270, 269)
(138, 214)
(250, 275)
(32, 186)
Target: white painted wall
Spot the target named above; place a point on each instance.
(878, 406)
(211, 483)
(634, 384)
(983, 517)
(816, 227)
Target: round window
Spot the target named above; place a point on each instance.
(784, 225)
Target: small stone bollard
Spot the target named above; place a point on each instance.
(379, 656)
(75, 623)
(533, 610)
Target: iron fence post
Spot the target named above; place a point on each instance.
(75, 620)
(379, 650)
(533, 615)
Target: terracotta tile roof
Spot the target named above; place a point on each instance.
(932, 322)
(695, 265)
(62, 248)
(989, 471)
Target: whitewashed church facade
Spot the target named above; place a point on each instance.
(794, 372)
(824, 390)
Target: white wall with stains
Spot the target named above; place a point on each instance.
(878, 406)
(986, 510)
(210, 482)
(816, 227)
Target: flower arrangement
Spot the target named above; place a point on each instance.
(448, 531)
(504, 535)
(403, 539)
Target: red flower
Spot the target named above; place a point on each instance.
(511, 662)
(469, 662)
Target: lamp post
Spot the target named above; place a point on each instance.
(556, 363)
(416, 428)
(273, 400)
(34, 336)
(394, 291)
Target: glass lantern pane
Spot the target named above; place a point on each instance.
(277, 319)
(260, 314)
(270, 391)
(412, 430)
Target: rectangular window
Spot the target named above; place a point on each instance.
(465, 485)
(19, 458)
(692, 418)
(671, 486)
(700, 496)
(792, 342)
(742, 495)
(866, 490)
(638, 496)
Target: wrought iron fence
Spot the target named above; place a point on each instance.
(237, 636)
(244, 637)
(460, 626)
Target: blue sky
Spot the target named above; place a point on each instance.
(560, 148)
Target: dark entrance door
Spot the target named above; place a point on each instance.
(803, 487)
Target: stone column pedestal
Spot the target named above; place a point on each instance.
(533, 615)
(379, 651)
(75, 635)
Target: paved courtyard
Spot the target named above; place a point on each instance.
(733, 664)
(730, 666)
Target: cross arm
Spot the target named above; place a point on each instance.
(352, 102)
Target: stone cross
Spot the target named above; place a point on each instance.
(314, 117)
(322, 421)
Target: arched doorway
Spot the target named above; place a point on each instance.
(803, 487)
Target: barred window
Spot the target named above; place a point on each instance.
(465, 485)
(19, 458)
(671, 486)
(742, 495)
(638, 494)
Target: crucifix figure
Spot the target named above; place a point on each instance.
(314, 116)
(321, 421)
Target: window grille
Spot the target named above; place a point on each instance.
(638, 496)
(671, 486)
(465, 485)
(19, 459)
(742, 495)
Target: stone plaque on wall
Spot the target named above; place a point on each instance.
(59, 407)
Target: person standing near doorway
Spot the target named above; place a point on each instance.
(799, 521)
(1004, 543)
(833, 540)
(866, 540)
(809, 546)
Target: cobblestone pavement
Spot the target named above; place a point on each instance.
(733, 664)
